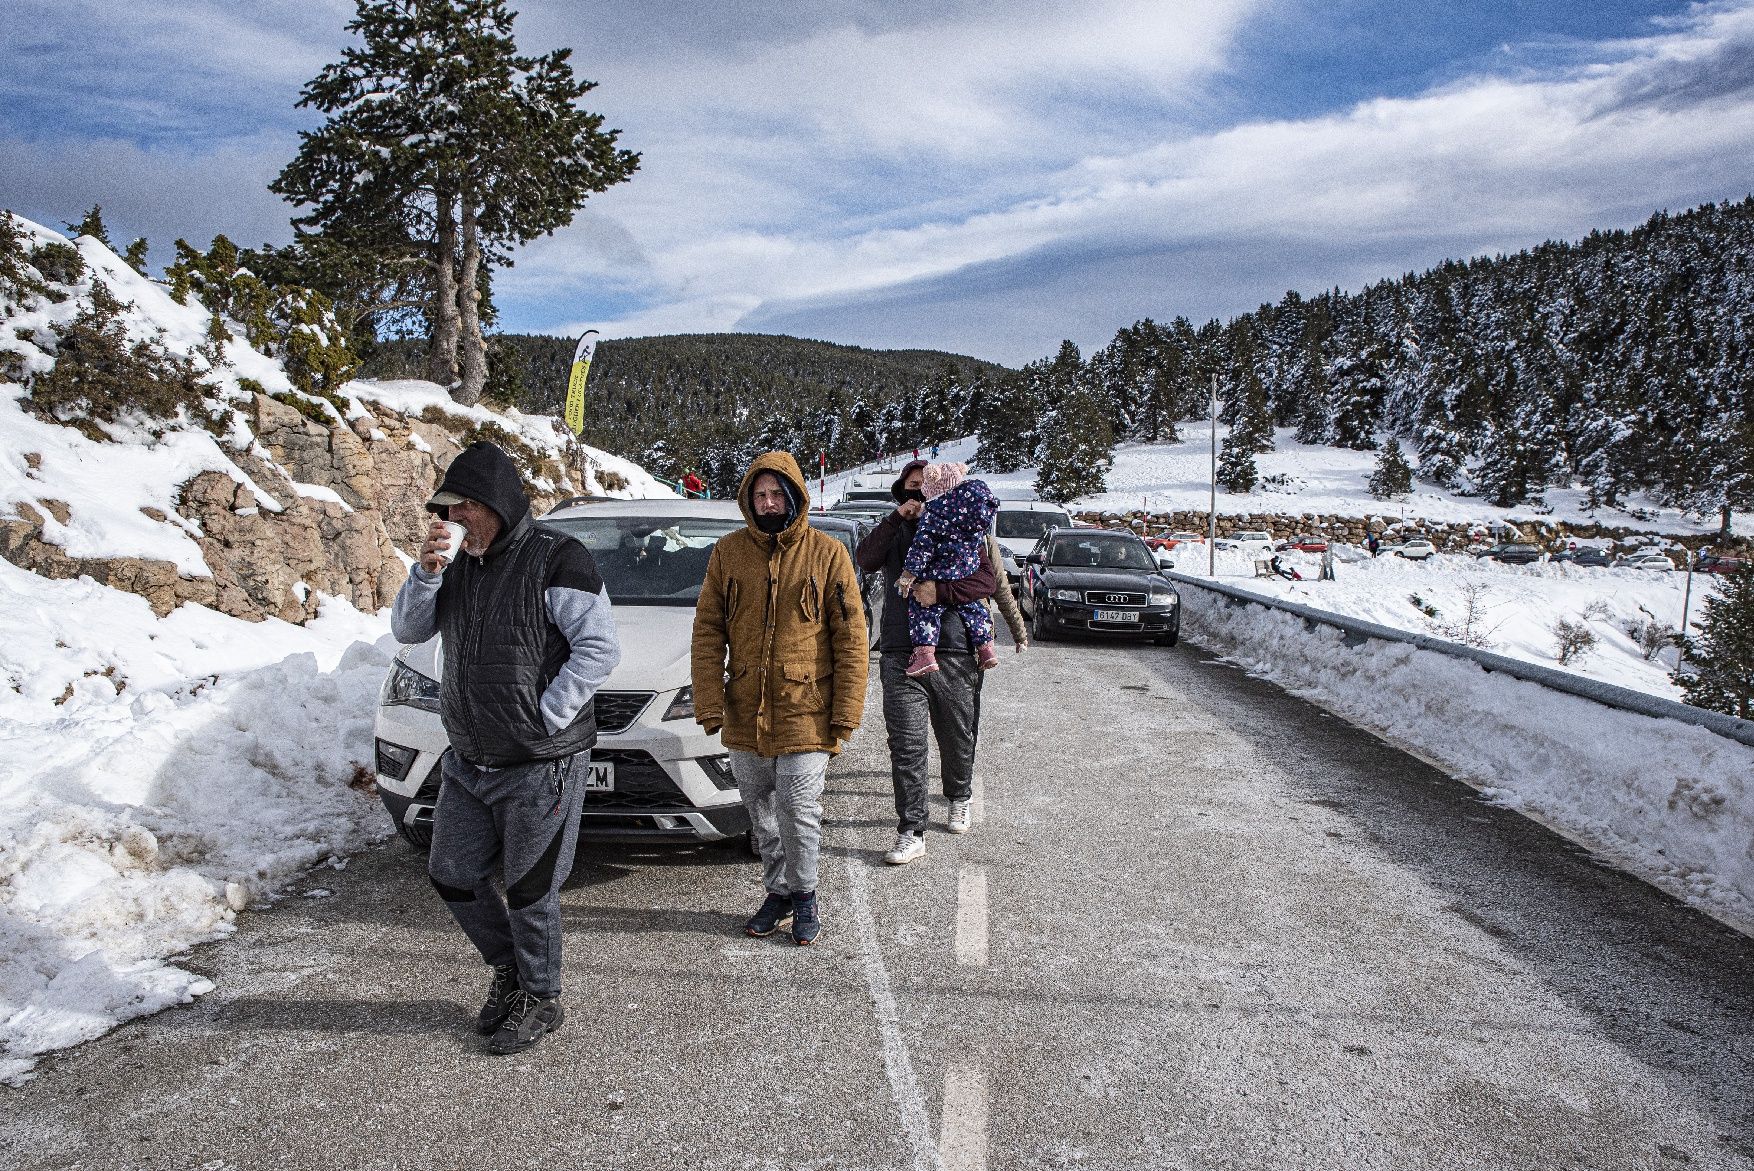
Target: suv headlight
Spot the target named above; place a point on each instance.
(682, 707)
(407, 686)
(1067, 596)
(1162, 597)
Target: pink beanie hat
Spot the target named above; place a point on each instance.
(938, 479)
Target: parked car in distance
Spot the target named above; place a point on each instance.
(1512, 553)
(1586, 555)
(1098, 582)
(1171, 540)
(1646, 559)
(1019, 524)
(1254, 543)
(876, 510)
(1302, 544)
(1720, 563)
(849, 529)
(654, 774)
(1413, 549)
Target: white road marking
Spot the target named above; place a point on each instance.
(916, 1121)
(971, 917)
(962, 1133)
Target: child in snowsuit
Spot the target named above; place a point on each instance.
(947, 546)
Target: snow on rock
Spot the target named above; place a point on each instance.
(1670, 802)
(157, 775)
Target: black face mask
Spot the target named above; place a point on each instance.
(770, 522)
(908, 494)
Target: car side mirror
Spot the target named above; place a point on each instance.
(1164, 560)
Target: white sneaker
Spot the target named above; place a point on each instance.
(907, 848)
(959, 817)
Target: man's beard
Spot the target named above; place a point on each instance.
(770, 522)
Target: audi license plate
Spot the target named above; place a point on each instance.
(601, 777)
(1117, 616)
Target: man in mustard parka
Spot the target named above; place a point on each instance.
(779, 671)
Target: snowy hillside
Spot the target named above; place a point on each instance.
(1312, 478)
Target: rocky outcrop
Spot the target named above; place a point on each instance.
(349, 496)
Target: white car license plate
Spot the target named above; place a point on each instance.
(600, 778)
(1117, 616)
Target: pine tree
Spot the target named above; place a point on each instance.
(93, 225)
(1393, 475)
(136, 255)
(1723, 654)
(442, 137)
(1236, 463)
(1076, 449)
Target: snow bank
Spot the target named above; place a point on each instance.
(1667, 801)
(156, 777)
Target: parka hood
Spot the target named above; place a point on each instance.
(484, 473)
(786, 468)
(907, 469)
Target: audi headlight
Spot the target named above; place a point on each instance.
(682, 707)
(407, 686)
(1067, 596)
(1162, 597)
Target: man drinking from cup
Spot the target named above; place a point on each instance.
(528, 639)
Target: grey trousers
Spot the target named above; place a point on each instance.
(949, 702)
(783, 795)
(512, 828)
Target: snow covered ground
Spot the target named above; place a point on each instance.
(1668, 801)
(1517, 605)
(158, 775)
(1316, 479)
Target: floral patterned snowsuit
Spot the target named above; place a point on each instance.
(947, 546)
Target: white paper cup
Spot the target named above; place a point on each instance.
(454, 534)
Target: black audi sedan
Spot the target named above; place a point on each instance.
(1094, 581)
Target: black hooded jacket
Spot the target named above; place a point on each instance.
(501, 647)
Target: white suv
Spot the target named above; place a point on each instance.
(1255, 544)
(654, 774)
(1019, 524)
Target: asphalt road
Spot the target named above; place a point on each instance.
(1199, 924)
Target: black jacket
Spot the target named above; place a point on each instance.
(501, 650)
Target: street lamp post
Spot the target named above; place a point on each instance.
(1212, 496)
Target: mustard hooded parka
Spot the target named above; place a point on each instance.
(780, 648)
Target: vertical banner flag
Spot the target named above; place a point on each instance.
(575, 385)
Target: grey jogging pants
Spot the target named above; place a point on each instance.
(783, 795)
(512, 828)
(946, 702)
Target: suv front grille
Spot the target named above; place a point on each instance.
(617, 710)
(1115, 598)
(640, 783)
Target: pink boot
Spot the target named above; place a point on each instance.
(989, 658)
(924, 661)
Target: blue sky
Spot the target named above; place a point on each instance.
(944, 174)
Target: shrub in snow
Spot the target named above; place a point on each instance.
(1650, 635)
(100, 375)
(1598, 610)
(1575, 639)
(58, 264)
(1424, 607)
(1469, 628)
(1717, 670)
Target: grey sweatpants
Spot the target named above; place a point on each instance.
(512, 828)
(948, 703)
(783, 795)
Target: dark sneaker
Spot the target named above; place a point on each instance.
(528, 1021)
(494, 1012)
(775, 911)
(805, 923)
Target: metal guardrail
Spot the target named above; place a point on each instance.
(1357, 632)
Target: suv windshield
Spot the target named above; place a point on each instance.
(1028, 524)
(1101, 551)
(649, 560)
